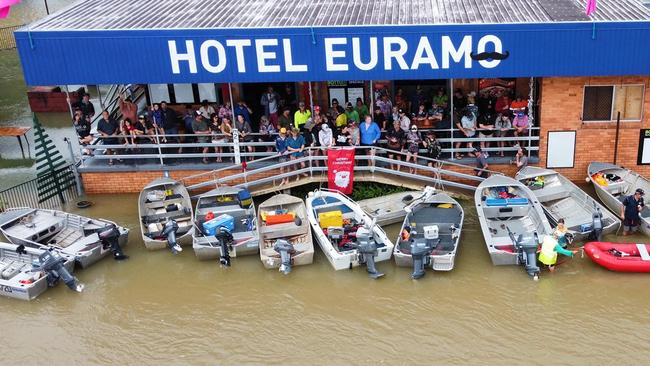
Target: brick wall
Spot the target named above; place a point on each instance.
(561, 109)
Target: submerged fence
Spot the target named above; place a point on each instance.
(47, 191)
(7, 40)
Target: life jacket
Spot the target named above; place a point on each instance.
(548, 255)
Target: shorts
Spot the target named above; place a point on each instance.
(482, 135)
(631, 224)
(202, 139)
(282, 158)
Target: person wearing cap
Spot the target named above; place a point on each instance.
(481, 163)
(296, 147)
(434, 149)
(301, 116)
(520, 123)
(202, 132)
(281, 148)
(351, 113)
(632, 206)
(206, 110)
(404, 121)
(325, 137)
(412, 147)
(140, 130)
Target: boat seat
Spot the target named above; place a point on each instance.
(616, 188)
(551, 193)
(643, 252)
(503, 212)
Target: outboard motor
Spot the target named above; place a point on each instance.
(225, 240)
(527, 252)
(421, 251)
(169, 232)
(109, 236)
(52, 263)
(285, 249)
(367, 249)
(597, 225)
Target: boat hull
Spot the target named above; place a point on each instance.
(150, 244)
(611, 196)
(350, 258)
(599, 254)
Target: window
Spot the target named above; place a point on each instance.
(603, 102)
(207, 91)
(158, 93)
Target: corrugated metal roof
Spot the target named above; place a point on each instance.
(211, 14)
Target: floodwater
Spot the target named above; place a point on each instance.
(157, 307)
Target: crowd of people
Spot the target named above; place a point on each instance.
(395, 122)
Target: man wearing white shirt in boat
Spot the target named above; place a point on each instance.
(632, 206)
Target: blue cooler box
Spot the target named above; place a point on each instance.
(225, 220)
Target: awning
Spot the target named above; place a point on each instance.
(53, 52)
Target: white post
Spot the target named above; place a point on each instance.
(235, 133)
(311, 99)
(451, 114)
(372, 102)
(67, 94)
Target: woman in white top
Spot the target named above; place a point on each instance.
(206, 110)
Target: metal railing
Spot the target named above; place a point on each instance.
(182, 148)
(440, 173)
(47, 191)
(7, 39)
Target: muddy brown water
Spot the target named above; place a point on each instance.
(159, 308)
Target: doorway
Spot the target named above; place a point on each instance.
(252, 95)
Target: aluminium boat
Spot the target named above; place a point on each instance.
(285, 234)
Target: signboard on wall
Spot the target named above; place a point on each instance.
(643, 157)
(334, 53)
(561, 149)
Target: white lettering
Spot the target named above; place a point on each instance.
(205, 56)
(262, 55)
(288, 58)
(330, 54)
(176, 57)
(356, 54)
(397, 54)
(239, 45)
(498, 47)
(456, 54)
(424, 55)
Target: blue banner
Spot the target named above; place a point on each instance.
(346, 53)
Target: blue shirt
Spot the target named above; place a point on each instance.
(296, 143)
(369, 134)
(281, 144)
(240, 109)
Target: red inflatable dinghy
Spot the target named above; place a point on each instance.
(620, 257)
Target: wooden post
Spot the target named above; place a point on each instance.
(618, 126)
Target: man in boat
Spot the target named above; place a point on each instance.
(550, 249)
(632, 206)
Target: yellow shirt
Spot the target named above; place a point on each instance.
(300, 118)
(341, 120)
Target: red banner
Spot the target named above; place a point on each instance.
(340, 169)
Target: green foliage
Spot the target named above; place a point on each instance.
(364, 191)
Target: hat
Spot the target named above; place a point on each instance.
(301, 104)
(414, 128)
(283, 130)
(349, 105)
(401, 111)
(325, 127)
(471, 94)
(640, 191)
(316, 108)
(198, 113)
(142, 116)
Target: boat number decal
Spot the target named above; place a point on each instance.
(6, 288)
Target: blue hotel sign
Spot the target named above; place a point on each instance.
(345, 53)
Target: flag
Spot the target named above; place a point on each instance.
(340, 169)
(591, 7)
